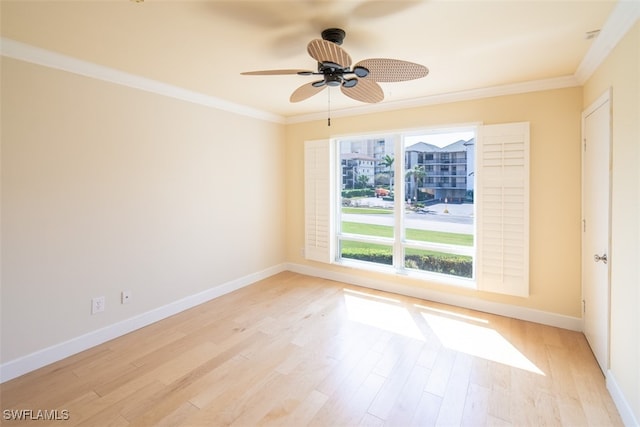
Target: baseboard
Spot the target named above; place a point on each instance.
(628, 418)
(46, 356)
(516, 312)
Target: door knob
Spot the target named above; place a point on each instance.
(602, 258)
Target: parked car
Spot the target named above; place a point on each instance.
(382, 192)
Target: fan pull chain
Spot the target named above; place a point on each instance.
(329, 107)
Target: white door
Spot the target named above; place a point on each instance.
(595, 236)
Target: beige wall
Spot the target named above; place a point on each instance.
(555, 186)
(107, 188)
(621, 73)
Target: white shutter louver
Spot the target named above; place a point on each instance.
(503, 209)
(318, 190)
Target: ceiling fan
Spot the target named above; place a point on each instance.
(359, 82)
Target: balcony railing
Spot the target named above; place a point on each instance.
(440, 162)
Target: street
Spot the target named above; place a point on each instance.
(459, 218)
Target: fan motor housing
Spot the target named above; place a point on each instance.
(335, 35)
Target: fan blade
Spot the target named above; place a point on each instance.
(365, 91)
(326, 51)
(305, 91)
(276, 72)
(392, 70)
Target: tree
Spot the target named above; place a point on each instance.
(363, 181)
(417, 174)
(387, 162)
(382, 179)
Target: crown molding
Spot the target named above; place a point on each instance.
(28, 53)
(624, 16)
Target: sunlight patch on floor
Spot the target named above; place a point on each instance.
(381, 313)
(480, 341)
(449, 313)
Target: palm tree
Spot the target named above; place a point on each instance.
(418, 174)
(387, 162)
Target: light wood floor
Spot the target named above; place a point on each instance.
(294, 350)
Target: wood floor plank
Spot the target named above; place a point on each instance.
(371, 421)
(295, 350)
(354, 358)
(106, 406)
(249, 371)
(406, 404)
(177, 417)
(427, 411)
(408, 352)
(453, 401)
(440, 373)
(476, 403)
(499, 406)
(298, 400)
(112, 409)
(547, 412)
(345, 394)
(353, 411)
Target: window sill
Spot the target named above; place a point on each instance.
(435, 278)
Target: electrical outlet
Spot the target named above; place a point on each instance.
(97, 305)
(125, 297)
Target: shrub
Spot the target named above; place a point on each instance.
(363, 192)
(437, 263)
(446, 264)
(378, 255)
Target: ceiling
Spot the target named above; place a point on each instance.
(203, 46)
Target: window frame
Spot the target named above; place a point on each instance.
(398, 243)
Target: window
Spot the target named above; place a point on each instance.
(413, 220)
(465, 224)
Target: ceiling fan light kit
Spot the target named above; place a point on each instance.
(359, 82)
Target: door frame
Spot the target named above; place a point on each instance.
(602, 99)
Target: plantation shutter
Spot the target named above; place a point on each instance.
(503, 209)
(318, 190)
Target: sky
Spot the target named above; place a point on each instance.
(440, 139)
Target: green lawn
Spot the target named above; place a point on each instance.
(367, 229)
(366, 211)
